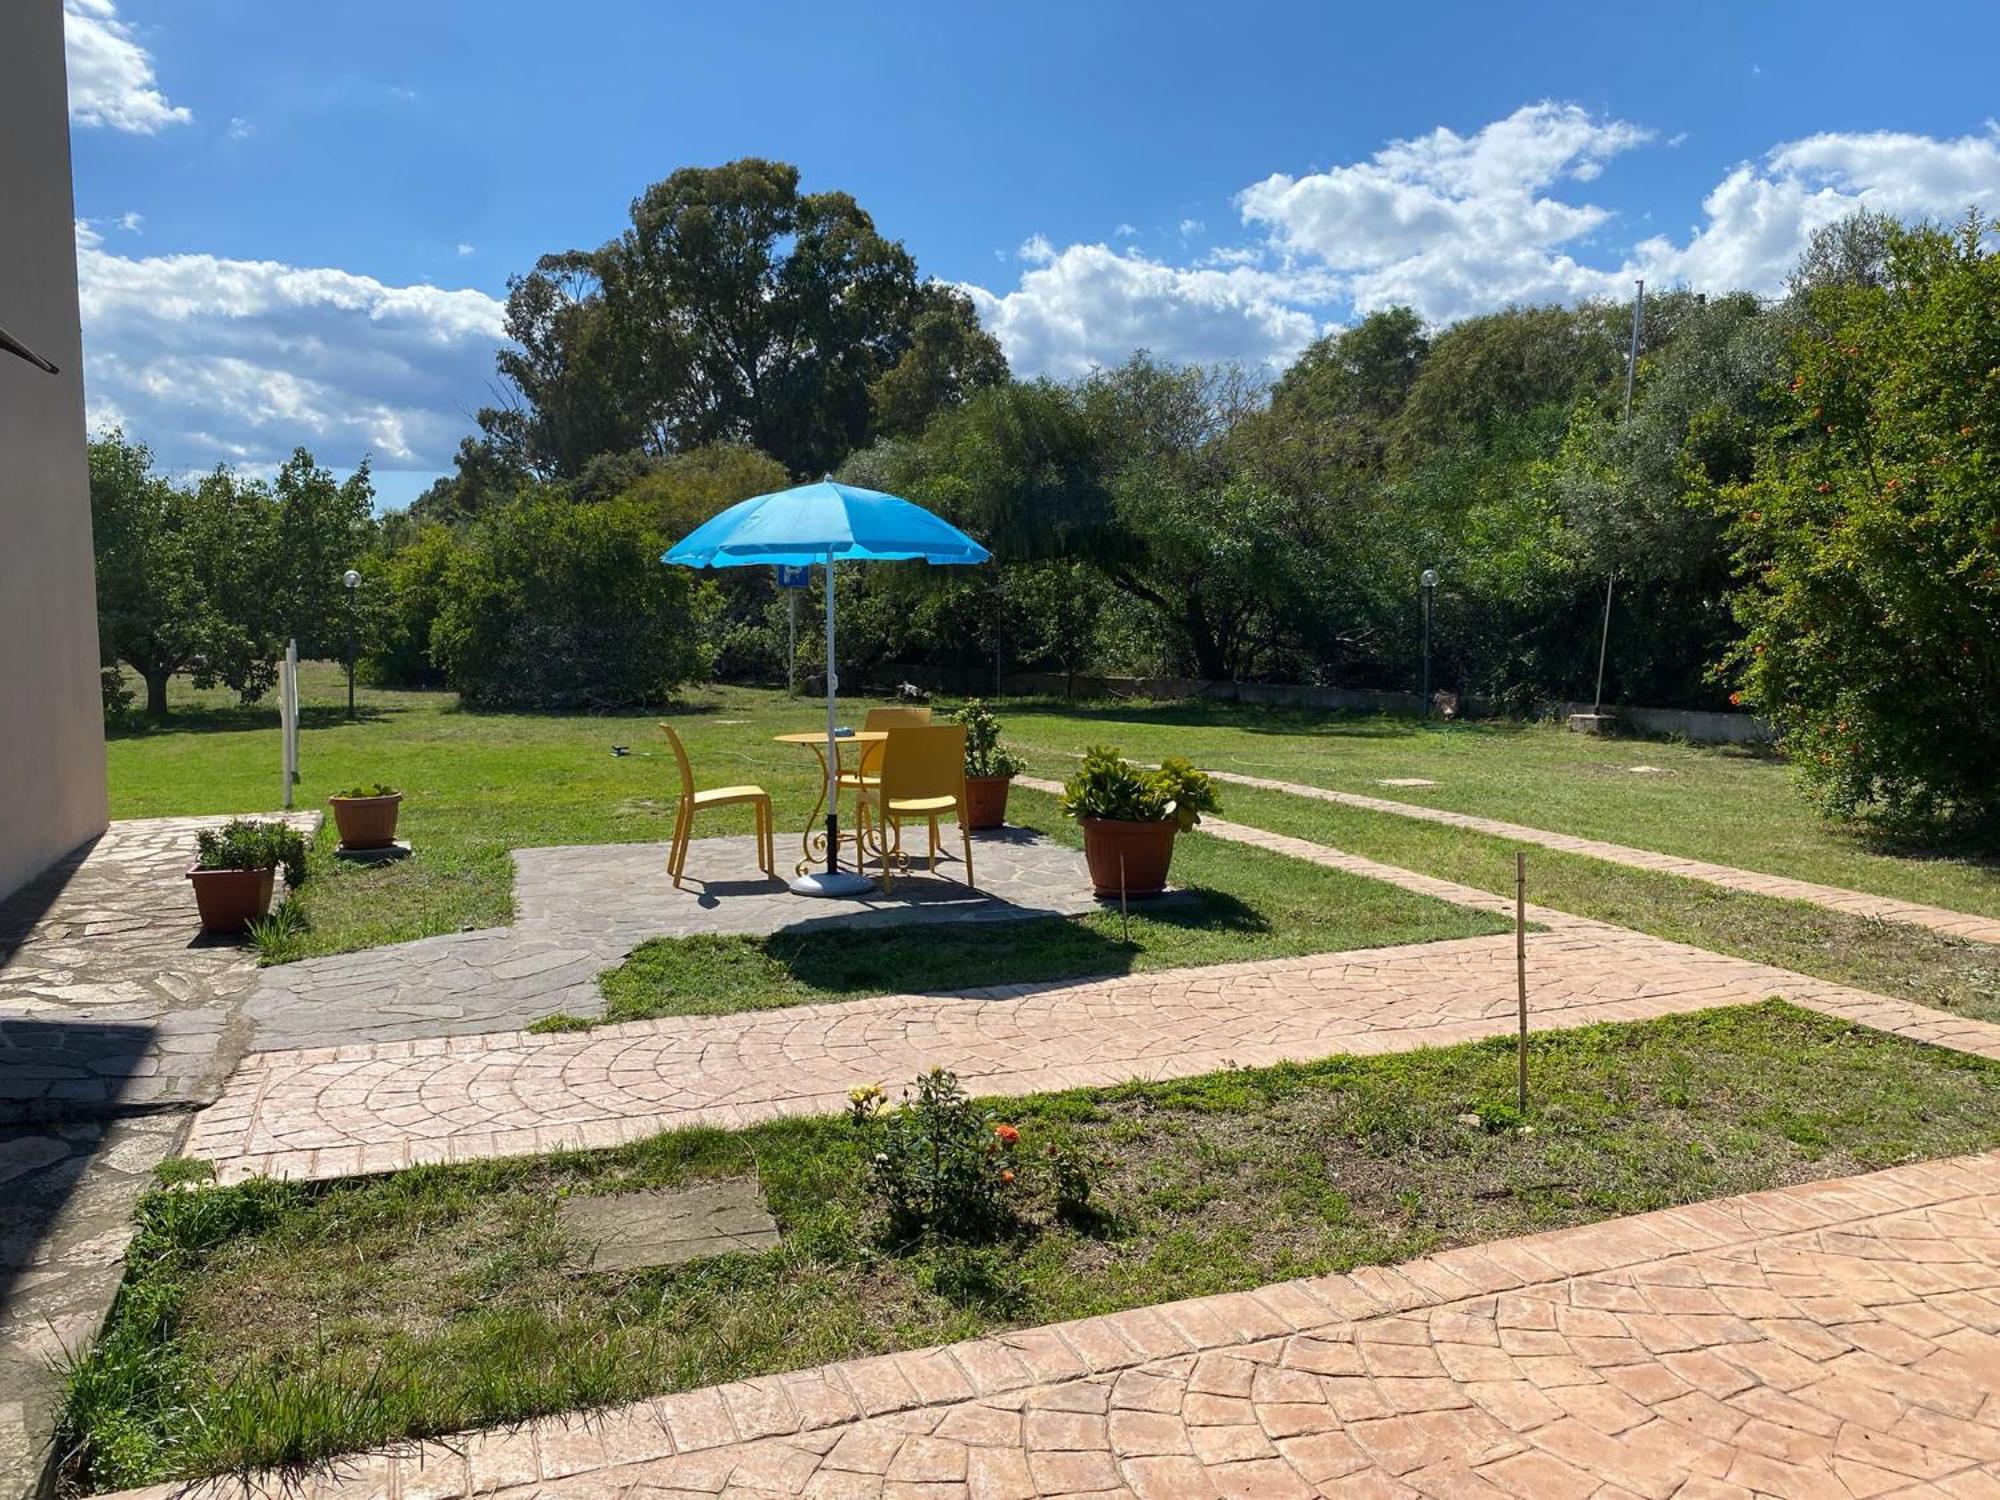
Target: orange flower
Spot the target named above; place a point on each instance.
(1008, 1175)
(1008, 1134)
(1736, 698)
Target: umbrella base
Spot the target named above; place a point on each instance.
(840, 883)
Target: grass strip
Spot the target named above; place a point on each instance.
(274, 1323)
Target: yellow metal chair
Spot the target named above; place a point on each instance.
(923, 776)
(693, 802)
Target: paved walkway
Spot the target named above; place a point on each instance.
(1853, 903)
(115, 1020)
(581, 909)
(380, 1106)
(1831, 1340)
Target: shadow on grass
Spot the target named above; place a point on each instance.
(943, 958)
(234, 718)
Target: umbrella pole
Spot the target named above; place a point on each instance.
(832, 741)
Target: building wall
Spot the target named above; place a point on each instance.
(51, 719)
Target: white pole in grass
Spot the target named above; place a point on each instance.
(288, 719)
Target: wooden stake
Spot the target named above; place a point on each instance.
(1521, 974)
(1124, 906)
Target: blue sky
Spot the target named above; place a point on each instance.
(296, 220)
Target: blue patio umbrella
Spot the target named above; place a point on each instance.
(820, 525)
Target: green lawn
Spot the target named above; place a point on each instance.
(278, 1322)
(480, 784)
(475, 785)
(1236, 903)
(1909, 963)
(1735, 807)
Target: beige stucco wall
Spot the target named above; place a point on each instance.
(51, 722)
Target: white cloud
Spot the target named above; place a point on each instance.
(1455, 225)
(1452, 224)
(212, 360)
(467, 249)
(130, 222)
(111, 80)
(1759, 217)
(1125, 232)
(1089, 305)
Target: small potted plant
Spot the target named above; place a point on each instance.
(1129, 817)
(990, 768)
(366, 816)
(234, 868)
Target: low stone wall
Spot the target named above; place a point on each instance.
(1701, 726)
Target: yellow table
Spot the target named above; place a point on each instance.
(812, 843)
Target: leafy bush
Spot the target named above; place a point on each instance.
(938, 1165)
(984, 754)
(1074, 1172)
(553, 604)
(370, 789)
(250, 844)
(1869, 543)
(1108, 786)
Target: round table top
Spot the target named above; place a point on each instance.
(818, 737)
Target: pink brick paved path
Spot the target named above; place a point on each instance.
(1854, 903)
(1836, 1339)
(332, 1112)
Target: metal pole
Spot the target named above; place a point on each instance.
(1521, 975)
(1632, 355)
(1424, 708)
(1631, 373)
(832, 741)
(1603, 644)
(350, 654)
(792, 643)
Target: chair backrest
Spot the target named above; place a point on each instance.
(680, 759)
(888, 718)
(924, 761)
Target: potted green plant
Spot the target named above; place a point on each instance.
(234, 869)
(1129, 816)
(366, 816)
(990, 768)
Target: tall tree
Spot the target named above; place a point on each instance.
(181, 575)
(735, 308)
(950, 357)
(322, 530)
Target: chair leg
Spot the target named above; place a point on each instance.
(890, 825)
(965, 843)
(933, 831)
(677, 851)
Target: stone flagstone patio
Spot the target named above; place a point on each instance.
(1838, 1339)
(581, 909)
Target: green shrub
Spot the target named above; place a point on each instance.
(939, 1166)
(1869, 543)
(1108, 786)
(251, 844)
(984, 754)
(555, 604)
(369, 789)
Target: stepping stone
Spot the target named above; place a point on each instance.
(1405, 781)
(1647, 770)
(632, 1231)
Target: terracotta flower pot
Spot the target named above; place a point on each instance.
(1143, 850)
(230, 900)
(986, 801)
(366, 822)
